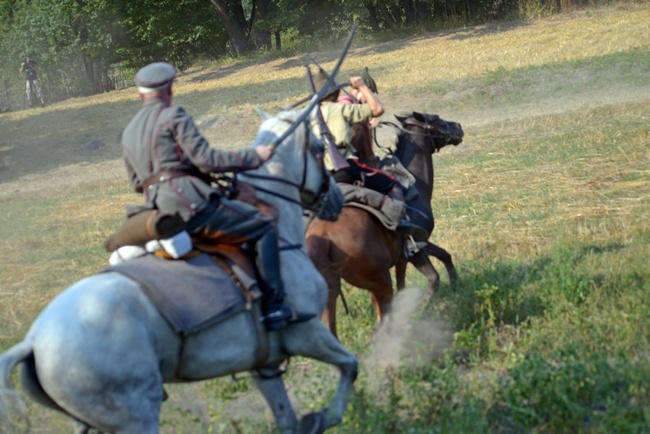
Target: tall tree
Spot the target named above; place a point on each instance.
(231, 14)
(260, 33)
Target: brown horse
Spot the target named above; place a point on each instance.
(360, 250)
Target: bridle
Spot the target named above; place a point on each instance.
(430, 131)
(313, 201)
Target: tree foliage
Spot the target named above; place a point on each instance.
(79, 42)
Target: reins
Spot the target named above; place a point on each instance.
(273, 193)
(417, 124)
(318, 197)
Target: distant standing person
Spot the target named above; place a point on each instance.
(30, 68)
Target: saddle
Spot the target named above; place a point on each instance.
(151, 224)
(388, 211)
(200, 288)
(391, 212)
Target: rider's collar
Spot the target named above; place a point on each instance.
(155, 101)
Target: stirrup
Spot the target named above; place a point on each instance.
(282, 317)
(412, 247)
(413, 230)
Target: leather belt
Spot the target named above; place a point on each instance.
(164, 175)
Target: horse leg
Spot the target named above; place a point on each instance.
(382, 294)
(269, 382)
(329, 315)
(80, 427)
(311, 339)
(400, 272)
(109, 375)
(443, 256)
(421, 261)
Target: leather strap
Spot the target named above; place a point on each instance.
(166, 175)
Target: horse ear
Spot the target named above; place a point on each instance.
(419, 116)
(401, 118)
(264, 115)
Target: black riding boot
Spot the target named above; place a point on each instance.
(277, 314)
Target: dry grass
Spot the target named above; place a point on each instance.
(409, 72)
(556, 146)
(596, 187)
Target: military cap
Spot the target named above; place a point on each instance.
(155, 76)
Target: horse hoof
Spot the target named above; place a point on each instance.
(311, 423)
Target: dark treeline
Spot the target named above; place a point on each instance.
(81, 44)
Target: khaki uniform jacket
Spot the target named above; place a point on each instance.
(339, 119)
(162, 137)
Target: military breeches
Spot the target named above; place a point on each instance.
(231, 222)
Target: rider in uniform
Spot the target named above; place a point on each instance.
(167, 159)
(341, 118)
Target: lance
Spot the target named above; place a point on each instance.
(319, 96)
(338, 162)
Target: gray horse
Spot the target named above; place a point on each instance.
(100, 352)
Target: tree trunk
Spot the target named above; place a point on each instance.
(396, 12)
(84, 35)
(278, 40)
(422, 11)
(409, 12)
(234, 27)
(373, 20)
(388, 19)
(450, 9)
(88, 64)
(261, 37)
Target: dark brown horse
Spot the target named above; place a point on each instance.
(360, 250)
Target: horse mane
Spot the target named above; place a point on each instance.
(362, 143)
(268, 130)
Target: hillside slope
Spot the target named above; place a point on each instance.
(475, 75)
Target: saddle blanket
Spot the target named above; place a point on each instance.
(388, 211)
(191, 294)
(386, 222)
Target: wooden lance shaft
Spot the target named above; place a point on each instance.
(337, 159)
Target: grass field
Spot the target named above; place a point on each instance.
(545, 208)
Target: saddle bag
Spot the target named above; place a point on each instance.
(143, 227)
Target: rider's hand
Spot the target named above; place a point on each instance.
(264, 151)
(357, 81)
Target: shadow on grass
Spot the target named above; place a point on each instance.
(40, 140)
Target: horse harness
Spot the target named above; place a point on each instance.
(430, 130)
(313, 201)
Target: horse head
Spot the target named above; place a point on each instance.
(437, 131)
(299, 160)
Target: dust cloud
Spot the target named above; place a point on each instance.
(405, 338)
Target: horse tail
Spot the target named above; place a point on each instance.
(12, 406)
